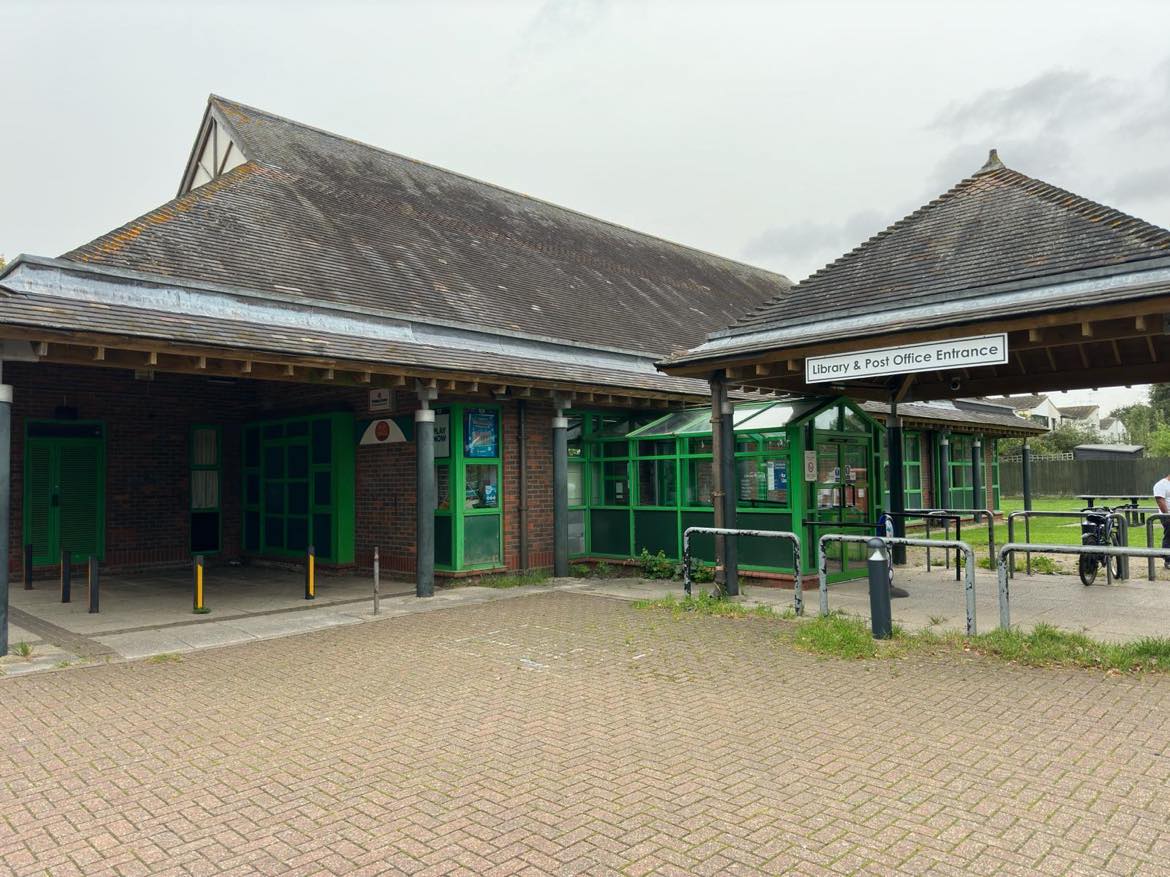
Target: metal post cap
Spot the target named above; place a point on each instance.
(878, 547)
(560, 423)
(424, 415)
(6, 393)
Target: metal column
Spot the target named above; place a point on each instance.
(560, 427)
(897, 480)
(1026, 474)
(730, 494)
(719, 484)
(978, 494)
(944, 473)
(424, 440)
(5, 500)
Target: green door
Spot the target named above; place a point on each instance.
(64, 491)
(841, 498)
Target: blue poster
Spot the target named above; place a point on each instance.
(481, 433)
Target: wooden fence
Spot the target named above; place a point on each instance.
(1076, 477)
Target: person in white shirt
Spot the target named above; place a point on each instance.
(1162, 498)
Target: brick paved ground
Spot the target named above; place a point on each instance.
(563, 734)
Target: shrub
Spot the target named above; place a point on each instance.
(657, 566)
(602, 570)
(579, 570)
(701, 573)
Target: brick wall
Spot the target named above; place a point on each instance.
(148, 427)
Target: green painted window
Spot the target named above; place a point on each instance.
(472, 518)
(206, 489)
(64, 490)
(299, 487)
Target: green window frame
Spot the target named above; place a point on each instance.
(206, 489)
(478, 518)
(298, 486)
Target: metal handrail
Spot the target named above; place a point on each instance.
(1156, 516)
(987, 514)
(798, 589)
(1028, 514)
(823, 565)
(1005, 621)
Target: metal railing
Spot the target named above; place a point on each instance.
(986, 514)
(1005, 620)
(1027, 515)
(792, 538)
(968, 586)
(1150, 518)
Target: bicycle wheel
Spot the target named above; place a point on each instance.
(1087, 567)
(1115, 562)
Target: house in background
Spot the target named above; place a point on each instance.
(1038, 409)
(1082, 416)
(1111, 429)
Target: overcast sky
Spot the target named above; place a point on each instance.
(780, 133)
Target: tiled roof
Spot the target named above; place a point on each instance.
(946, 414)
(1024, 403)
(332, 220)
(997, 226)
(1077, 412)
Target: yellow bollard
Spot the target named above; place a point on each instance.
(198, 607)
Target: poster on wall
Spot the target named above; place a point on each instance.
(442, 435)
(777, 475)
(481, 433)
(810, 465)
(381, 399)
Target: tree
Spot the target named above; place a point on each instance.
(1141, 422)
(1160, 401)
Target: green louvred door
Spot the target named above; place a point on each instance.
(64, 496)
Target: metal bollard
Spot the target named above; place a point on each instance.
(879, 591)
(28, 567)
(66, 578)
(310, 573)
(377, 579)
(95, 585)
(197, 605)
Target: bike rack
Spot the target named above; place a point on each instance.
(798, 589)
(968, 587)
(946, 518)
(1150, 518)
(1027, 515)
(987, 514)
(1005, 621)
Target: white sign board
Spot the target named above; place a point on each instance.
(442, 436)
(925, 357)
(381, 399)
(382, 432)
(810, 465)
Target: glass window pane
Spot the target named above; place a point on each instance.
(747, 444)
(481, 433)
(700, 482)
(205, 447)
(611, 485)
(274, 532)
(298, 534)
(614, 449)
(274, 462)
(443, 488)
(296, 428)
(298, 461)
(577, 531)
(322, 442)
(274, 498)
(251, 531)
(656, 447)
(298, 498)
(481, 490)
(323, 488)
(205, 489)
(273, 430)
(656, 483)
(576, 484)
(252, 490)
(700, 445)
(323, 534)
(762, 481)
(854, 422)
(827, 419)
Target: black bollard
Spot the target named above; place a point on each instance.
(28, 565)
(95, 585)
(879, 590)
(66, 574)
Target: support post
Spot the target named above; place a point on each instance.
(28, 567)
(880, 613)
(424, 440)
(560, 427)
(897, 479)
(944, 473)
(1026, 474)
(730, 494)
(66, 577)
(310, 573)
(377, 580)
(95, 585)
(5, 504)
(978, 494)
(718, 482)
(197, 605)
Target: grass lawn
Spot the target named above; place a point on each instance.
(1054, 531)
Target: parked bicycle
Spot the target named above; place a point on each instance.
(1098, 528)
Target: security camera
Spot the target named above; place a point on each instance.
(955, 384)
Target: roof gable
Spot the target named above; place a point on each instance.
(328, 219)
(214, 153)
(997, 226)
